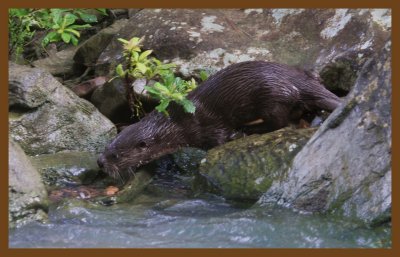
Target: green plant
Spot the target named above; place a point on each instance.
(173, 89)
(19, 31)
(168, 87)
(203, 75)
(60, 25)
(63, 27)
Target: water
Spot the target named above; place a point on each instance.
(183, 223)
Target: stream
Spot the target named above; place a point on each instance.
(208, 222)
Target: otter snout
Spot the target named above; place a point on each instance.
(100, 161)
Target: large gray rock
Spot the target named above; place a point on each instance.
(46, 117)
(346, 166)
(27, 198)
(211, 39)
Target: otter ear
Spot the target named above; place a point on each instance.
(142, 144)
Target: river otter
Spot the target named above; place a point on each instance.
(250, 97)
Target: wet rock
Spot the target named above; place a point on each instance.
(188, 159)
(67, 168)
(345, 168)
(46, 117)
(27, 200)
(59, 64)
(244, 169)
(135, 186)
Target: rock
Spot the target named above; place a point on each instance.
(135, 186)
(188, 159)
(244, 169)
(59, 64)
(345, 168)
(27, 200)
(110, 100)
(211, 39)
(90, 50)
(86, 88)
(67, 168)
(46, 117)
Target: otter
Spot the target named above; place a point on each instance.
(248, 97)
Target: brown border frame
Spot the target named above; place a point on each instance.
(5, 4)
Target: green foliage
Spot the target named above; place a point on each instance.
(203, 75)
(18, 30)
(60, 24)
(167, 88)
(174, 89)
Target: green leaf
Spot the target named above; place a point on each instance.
(145, 54)
(163, 89)
(56, 16)
(76, 33)
(169, 79)
(74, 40)
(103, 11)
(66, 37)
(123, 40)
(152, 91)
(141, 67)
(120, 71)
(80, 26)
(203, 75)
(51, 37)
(188, 105)
(86, 17)
(18, 12)
(162, 107)
(69, 19)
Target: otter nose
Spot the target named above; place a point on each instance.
(100, 162)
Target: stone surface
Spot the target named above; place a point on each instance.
(91, 49)
(66, 168)
(346, 166)
(60, 64)
(211, 39)
(244, 169)
(46, 117)
(27, 196)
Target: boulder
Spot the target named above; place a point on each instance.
(211, 39)
(346, 166)
(245, 168)
(27, 196)
(46, 117)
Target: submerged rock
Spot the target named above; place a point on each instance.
(244, 169)
(67, 168)
(346, 166)
(27, 200)
(46, 117)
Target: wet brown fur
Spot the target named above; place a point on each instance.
(229, 101)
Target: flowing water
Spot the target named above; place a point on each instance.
(205, 223)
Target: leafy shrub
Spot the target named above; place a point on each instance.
(168, 87)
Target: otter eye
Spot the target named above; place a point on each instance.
(114, 156)
(142, 144)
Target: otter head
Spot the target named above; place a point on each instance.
(138, 144)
